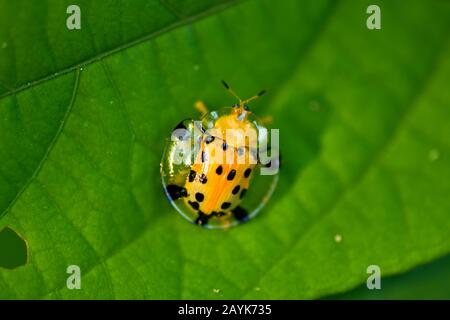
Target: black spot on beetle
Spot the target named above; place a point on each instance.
(243, 192)
(202, 178)
(194, 205)
(225, 205)
(192, 175)
(247, 172)
(209, 139)
(240, 213)
(204, 156)
(224, 146)
(199, 196)
(175, 192)
(219, 170)
(231, 175)
(236, 189)
(202, 219)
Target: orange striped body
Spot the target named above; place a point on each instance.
(216, 187)
(224, 165)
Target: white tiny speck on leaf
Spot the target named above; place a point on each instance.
(216, 290)
(4, 45)
(338, 238)
(257, 289)
(433, 155)
(196, 67)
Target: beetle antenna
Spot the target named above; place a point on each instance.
(255, 96)
(228, 88)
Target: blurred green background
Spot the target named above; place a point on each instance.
(430, 281)
(363, 118)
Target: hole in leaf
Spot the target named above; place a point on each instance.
(13, 249)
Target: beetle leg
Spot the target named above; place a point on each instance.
(176, 192)
(200, 106)
(202, 219)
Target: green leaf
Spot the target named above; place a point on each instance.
(431, 281)
(363, 117)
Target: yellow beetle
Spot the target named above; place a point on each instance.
(218, 157)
